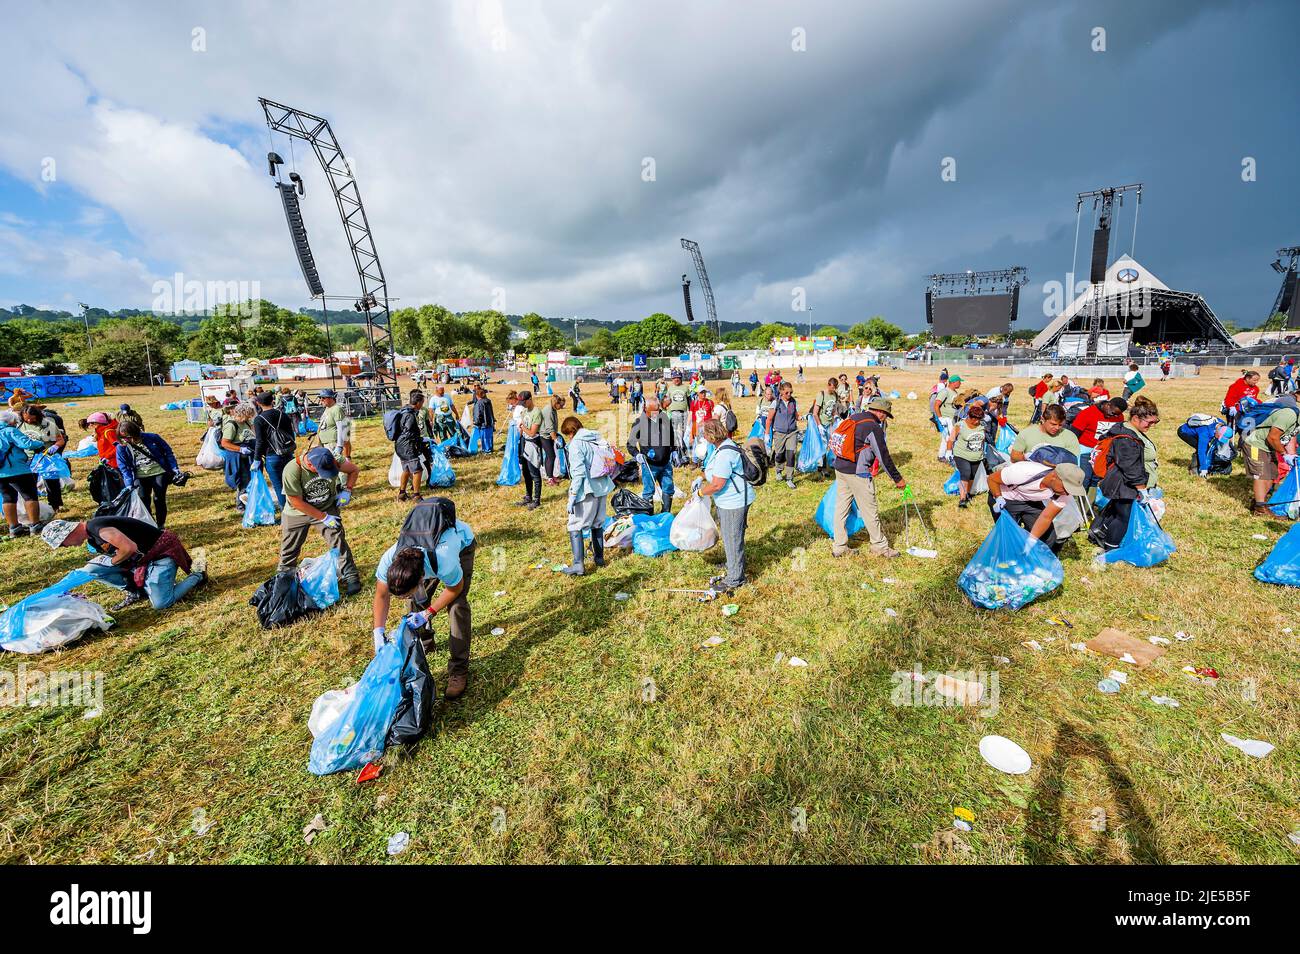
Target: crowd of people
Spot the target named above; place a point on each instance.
(1079, 440)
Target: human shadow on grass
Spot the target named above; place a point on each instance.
(494, 677)
(1047, 839)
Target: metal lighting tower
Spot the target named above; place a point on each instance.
(1103, 200)
(694, 249)
(373, 302)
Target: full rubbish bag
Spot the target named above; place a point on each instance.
(651, 535)
(1010, 569)
(259, 507)
(952, 485)
(34, 624)
(1006, 437)
(413, 716)
(825, 515)
(1285, 501)
(626, 501)
(307, 426)
(1282, 565)
(812, 453)
(126, 504)
(693, 529)
(758, 428)
(209, 456)
(1145, 542)
(440, 472)
(360, 732)
(51, 467)
(319, 577)
(510, 472)
(580, 407)
(281, 601)
(561, 459)
(395, 471)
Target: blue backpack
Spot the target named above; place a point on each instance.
(1252, 413)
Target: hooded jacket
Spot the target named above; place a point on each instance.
(582, 450)
(13, 442)
(155, 447)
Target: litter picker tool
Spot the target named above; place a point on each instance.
(918, 539)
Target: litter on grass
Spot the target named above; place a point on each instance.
(498, 631)
(1157, 641)
(1117, 643)
(1108, 686)
(398, 843)
(731, 609)
(1202, 674)
(313, 828)
(1165, 701)
(1121, 677)
(1252, 747)
(1004, 755)
(713, 641)
(890, 613)
(796, 662)
(622, 597)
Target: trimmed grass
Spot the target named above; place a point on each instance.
(205, 712)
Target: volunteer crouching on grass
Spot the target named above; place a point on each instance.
(586, 495)
(651, 444)
(1033, 494)
(856, 465)
(40, 425)
(1050, 432)
(1130, 472)
(433, 547)
(311, 487)
(724, 481)
(134, 556)
(1267, 439)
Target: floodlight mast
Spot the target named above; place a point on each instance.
(694, 249)
(373, 302)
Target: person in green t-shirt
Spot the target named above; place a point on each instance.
(334, 429)
(1263, 444)
(679, 408)
(1050, 430)
(966, 447)
(313, 498)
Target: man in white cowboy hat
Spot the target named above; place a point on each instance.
(134, 556)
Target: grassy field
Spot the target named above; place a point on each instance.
(553, 756)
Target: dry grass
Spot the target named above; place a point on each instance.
(203, 710)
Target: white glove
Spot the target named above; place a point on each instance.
(416, 620)
(1205, 473)
(380, 637)
(640, 459)
(999, 504)
(1291, 459)
(695, 484)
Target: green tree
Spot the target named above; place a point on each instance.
(491, 333)
(826, 331)
(602, 344)
(542, 335)
(876, 333)
(761, 337)
(654, 334)
(404, 325)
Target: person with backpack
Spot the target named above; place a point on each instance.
(732, 493)
(781, 430)
(44, 425)
(1211, 438)
(237, 443)
(589, 486)
(404, 429)
(1127, 466)
(1033, 494)
(1091, 423)
(1277, 377)
(942, 408)
(432, 548)
(142, 559)
(274, 442)
(146, 463)
(722, 411)
(679, 408)
(313, 499)
(860, 452)
(16, 477)
(1266, 431)
(966, 449)
(650, 443)
(753, 382)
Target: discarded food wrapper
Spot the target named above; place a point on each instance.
(92, 713)
(961, 824)
(923, 553)
(1033, 644)
(622, 597)
(1250, 746)
(1002, 660)
(370, 772)
(1081, 647)
(397, 844)
(1149, 618)
(890, 613)
(1121, 677)
(1258, 536)
(1165, 701)
(965, 814)
(796, 661)
(1004, 755)
(1182, 637)
(966, 693)
(1108, 686)
(1057, 621)
(313, 827)
(776, 660)
(1202, 673)
(1117, 643)
(498, 631)
(731, 609)
(713, 641)
(1157, 641)
(499, 593)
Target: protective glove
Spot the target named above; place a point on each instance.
(332, 521)
(345, 497)
(338, 452)
(416, 620)
(380, 637)
(255, 465)
(695, 484)
(1291, 459)
(999, 504)
(1205, 473)
(1143, 496)
(640, 459)
(246, 451)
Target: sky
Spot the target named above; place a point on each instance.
(549, 156)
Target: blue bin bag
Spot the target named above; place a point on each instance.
(51, 467)
(1282, 565)
(812, 453)
(1010, 569)
(650, 534)
(511, 473)
(1145, 543)
(259, 509)
(1285, 501)
(825, 515)
(319, 577)
(440, 471)
(13, 620)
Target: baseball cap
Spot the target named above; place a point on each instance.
(323, 462)
(1072, 476)
(99, 417)
(56, 531)
(327, 393)
(884, 405)
(953, 377)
